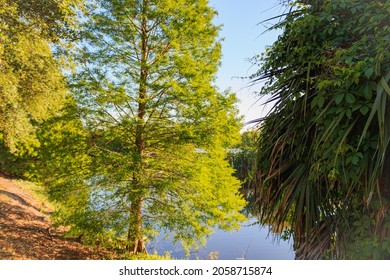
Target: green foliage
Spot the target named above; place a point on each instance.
(9, 163)
(31, 83)
(367, 239)
(149, 257)
(62, 162)
(159, 129)
(243, 157)
(323, 146)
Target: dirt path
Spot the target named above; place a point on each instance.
(25, 230)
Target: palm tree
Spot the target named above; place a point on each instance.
(322, 161)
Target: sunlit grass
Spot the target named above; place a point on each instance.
(38, 193)
(153, 256)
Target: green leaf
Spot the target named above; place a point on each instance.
(364, 110)
(350, 98)
(339, 98)
(368, 73)
(354, 160)
(348, 113)
(318, 101)
(385, 86)
(367, 91)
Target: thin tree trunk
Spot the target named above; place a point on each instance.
(135, 234)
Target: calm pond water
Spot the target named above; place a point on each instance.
(251, 242)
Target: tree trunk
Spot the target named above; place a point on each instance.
(135, 236)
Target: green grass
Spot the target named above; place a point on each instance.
(153, 256)
(38, 192)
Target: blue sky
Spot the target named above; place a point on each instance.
(243, 39)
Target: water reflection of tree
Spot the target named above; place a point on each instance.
(243, 159)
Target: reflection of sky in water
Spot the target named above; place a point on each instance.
(251, 242)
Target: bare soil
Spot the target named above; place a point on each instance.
(26, 231)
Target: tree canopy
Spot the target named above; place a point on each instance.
(31, 83)
(323, 149)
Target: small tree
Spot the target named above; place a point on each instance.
(159, 128)
(323, 150)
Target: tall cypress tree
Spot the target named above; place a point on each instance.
(159, 128)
